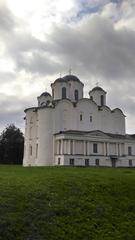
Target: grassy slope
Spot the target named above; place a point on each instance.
(67, 203)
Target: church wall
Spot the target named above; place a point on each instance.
(31, 128)
(63, 116)
(118, 122)
(45, 137)
(87, 109)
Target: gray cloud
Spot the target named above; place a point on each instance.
(92, 46)
(7, 20)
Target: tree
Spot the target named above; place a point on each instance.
(11, 145)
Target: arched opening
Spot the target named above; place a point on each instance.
(91, 98)
(102, 100)
(63, 93)
(53, 93)
(76, 95)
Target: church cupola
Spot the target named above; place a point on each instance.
(69, 87)
(98, 95)
(44, 99)
(75, 87)
(60, 89)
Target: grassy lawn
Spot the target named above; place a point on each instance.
(67, 203)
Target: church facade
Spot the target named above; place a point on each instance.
(70, 130)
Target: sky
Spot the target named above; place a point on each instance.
(41, 39)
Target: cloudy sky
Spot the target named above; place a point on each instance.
(39, 39)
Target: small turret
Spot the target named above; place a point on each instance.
(44, 99)
(98, 95)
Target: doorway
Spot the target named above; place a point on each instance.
(113, 162)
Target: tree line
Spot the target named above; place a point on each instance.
(11, 145)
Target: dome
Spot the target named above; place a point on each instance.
(71, 78)
(98, 89)
(59, 80)
(45, 94)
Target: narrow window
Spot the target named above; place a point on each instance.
(76, 95)
(71, 162)
(63, 93)
(97, 162)
(91, 98)
(129, 151)
(80, 117)
(90, 118)
(86, 162)
(53, 93)
(95, 148)
(130, 163)
(36, 150)
(30, 132)
(58, 161)
(102, 100)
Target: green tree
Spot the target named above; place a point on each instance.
(11, 145)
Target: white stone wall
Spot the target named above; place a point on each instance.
(39, 138)
(67, 117)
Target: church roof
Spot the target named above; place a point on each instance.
(98, 132)
(45, 94)
(59, 80)
(67, 78)
(71, 78)
(98, 89)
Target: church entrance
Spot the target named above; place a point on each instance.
(113, 161)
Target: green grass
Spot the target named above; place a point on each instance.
(67, 203)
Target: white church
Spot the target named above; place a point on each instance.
(69, 130)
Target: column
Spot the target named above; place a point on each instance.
(73, 147)
(88, 148)
(108, 149)
(117, 149)
(69, 146)
(120, 150)
(61, 147)
(57, 147)
(104, 148)
(84, 147)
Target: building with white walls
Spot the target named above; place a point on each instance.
(68, 129)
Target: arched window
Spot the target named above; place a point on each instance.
(91, 98)
(102, 100)
(76, 95)
(53, 93)
(63, 93)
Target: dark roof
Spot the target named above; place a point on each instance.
(71, 78)
(98, 89)
(45, 94)
(68, 78)
(59, 80)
